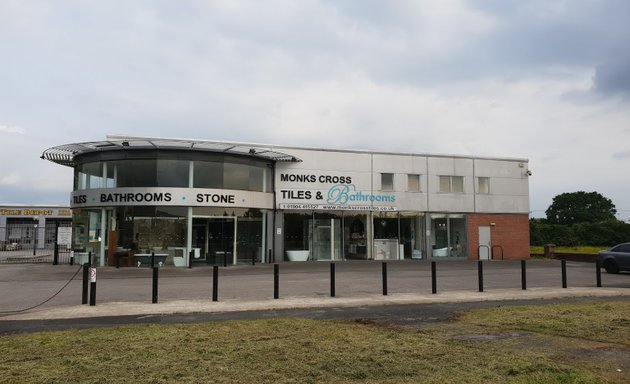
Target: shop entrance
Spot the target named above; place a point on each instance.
(326, 239)
(213, 240)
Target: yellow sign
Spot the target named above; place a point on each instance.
(37, 212)
(8, 212)
(34, 212)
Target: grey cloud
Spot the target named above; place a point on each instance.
(528, 36)
(613, 78)
(621, 155)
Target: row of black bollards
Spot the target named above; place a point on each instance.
(89, 275)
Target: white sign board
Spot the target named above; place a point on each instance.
(64, 236)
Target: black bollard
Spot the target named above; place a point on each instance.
(154, 296)
(56, 252)
(92, 287)
(480, 273)
(84, 296)
(523, 275)
(190, 258)
(598, 272)
(225, 258)
(276, 281)
(71, 259)
(433, 277)
(384, 271)
(253, 257)
(215, 283)
(563, 265)
(152, 259)
(332, 279)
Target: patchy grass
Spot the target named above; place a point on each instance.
(606, 322)
(581, 343)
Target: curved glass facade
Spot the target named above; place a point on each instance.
(181, 232)
(228, 173)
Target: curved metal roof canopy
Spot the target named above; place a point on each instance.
(65, 154)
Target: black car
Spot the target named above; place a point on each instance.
(616, 258)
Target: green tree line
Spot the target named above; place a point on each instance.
(579, 218)
(606, 233)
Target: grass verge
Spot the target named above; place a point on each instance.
(586, 250)
(573, 343)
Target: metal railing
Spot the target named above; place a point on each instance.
(28, 243)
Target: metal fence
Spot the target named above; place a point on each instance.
(28, 243)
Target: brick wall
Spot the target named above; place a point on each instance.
(510, 231)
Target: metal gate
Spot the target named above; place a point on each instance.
(28, 243)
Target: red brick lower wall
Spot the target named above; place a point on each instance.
(510, 231)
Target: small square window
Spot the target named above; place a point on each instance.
(445, 184)
(387, 181)
(413, 183)
(483, 185)
(457, 184)
(452, 184)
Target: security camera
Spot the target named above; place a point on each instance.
(528, 173)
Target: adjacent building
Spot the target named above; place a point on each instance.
(31, 226)
(198, 202)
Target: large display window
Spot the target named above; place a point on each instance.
(141, 231)
(355, 235)
(298, 235)
(313, 236)
(398, 235)
(87, 234)
(243, 175)
(228, 236)
(228, 173)
(412, 235)
(449, 236)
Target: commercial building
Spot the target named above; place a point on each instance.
(31, 226)
(203, 202)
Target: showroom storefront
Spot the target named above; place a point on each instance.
(196, 202)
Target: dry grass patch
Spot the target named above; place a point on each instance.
(287, 350)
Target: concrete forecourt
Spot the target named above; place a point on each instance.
(128, 291)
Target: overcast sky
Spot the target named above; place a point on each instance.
(544, 80)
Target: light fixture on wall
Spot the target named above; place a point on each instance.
(493, 224)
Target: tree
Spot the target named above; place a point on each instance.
(580, 207)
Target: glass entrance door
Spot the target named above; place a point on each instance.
(213, 240)
(326, 239)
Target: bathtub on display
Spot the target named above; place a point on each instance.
(298, 255)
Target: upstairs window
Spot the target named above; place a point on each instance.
(453, 184)
(483, 185)
(387, 181)
(413, 183)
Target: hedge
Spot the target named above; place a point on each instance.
(604, 234)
